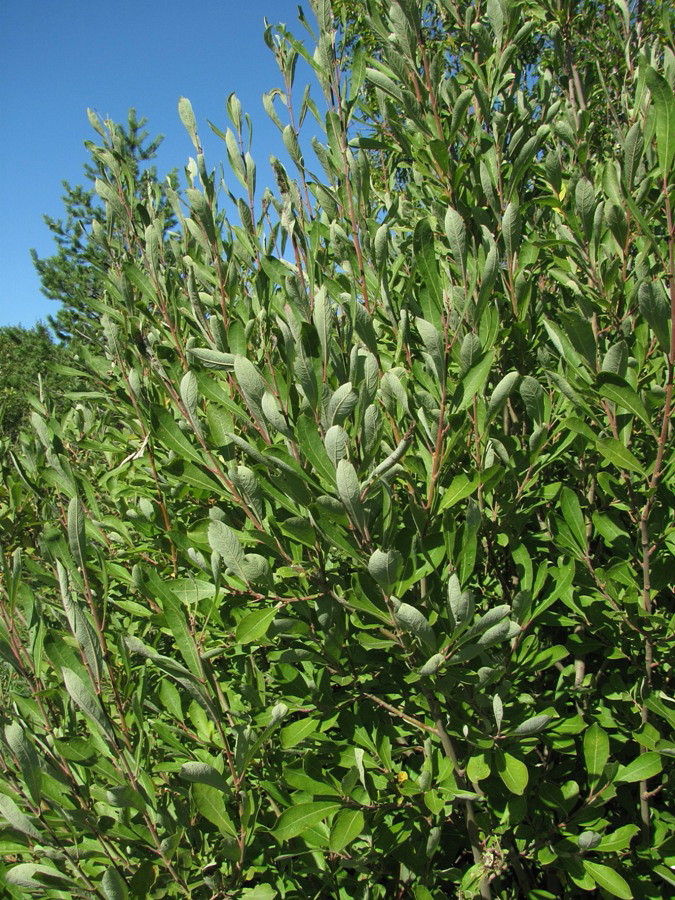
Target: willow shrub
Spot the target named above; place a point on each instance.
(350, 575)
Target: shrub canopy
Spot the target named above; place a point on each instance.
(349, 574)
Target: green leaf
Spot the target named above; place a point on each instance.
(427, 266)
(596, 750)
(35, 878)
(633, 149)
(386, 567)
(296, 732)
(113, 885)
(166, 430)
(346, 827)
(530, 726)
(311, 445)
(187, 117)
(274, 415)
(571, 510)
(213, 359)
(225, 542)
(655, 308)
(618, 840)
(645, 766)
(664, 105)
(513, 772)
(175, 615)
(456, 234)
(473, 381)
(580, 332)
(501, 393)
(203, 773)
(615, 389)
(584, 197)
(533, 398)
(255, 625)
(11, 813)
(619, 455)
(300, 818)
(259, 892)
(414, 621)
(511, 229)
(432, 665)
(27, 758)
(210, 803)
(433, 344)
(461, 487)
(87, 701)
(76, 537)
(350, 493)
(323, 320)
(341, 404)
(461, 605)
(189, 392)
(252, 385)
(608, 879)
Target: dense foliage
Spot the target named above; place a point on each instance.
(27, 356)
(350, 572)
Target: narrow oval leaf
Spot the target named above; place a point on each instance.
(664, 103)
(27, 758)
(618, 840)
(619, 455)
(596, 750)
(225, 542)
(336, 442)
(456, 233)
(341, 404)
(461, 487)
(255, 625)
(36, 878)
(461, 605)
(113, 885)
(432, 665)
(608, 879)
(350, 493)
(203, 773)
(76, 536)
(513, 772)
(187, 117)
(85, 698)
(210, 802)
(531, 726)
(645, 766)
(11, 813)
(413, 620)
(292, 822)
(346, 827)
(251, 383)
(385, 566)
(296, 732)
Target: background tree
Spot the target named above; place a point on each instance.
(27, 356)
(350, 574)
(75, 274)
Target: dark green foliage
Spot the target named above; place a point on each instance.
(26, 358)
(350, 573)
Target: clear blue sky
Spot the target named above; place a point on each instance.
(58, 58)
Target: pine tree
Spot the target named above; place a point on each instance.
(74, 275)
